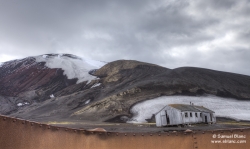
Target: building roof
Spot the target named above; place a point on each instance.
(184, 107)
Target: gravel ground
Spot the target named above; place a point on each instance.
(222, 123)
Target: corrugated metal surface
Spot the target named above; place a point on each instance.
(174, 117)
(194, 108)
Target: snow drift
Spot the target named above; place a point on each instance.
(224, 107)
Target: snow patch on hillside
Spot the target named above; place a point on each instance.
(74, 67)
(87, 102)
(98, 84)
(22, 104)
(52, 96)
(224, 107)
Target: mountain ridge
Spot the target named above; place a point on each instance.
(116, 87)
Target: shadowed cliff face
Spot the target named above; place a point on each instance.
(121, 84)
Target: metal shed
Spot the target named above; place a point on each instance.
(178, 114)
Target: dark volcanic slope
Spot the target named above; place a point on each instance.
(185, 80)
(124, 83)
(128, 82)
(25, 75)
(27, 80)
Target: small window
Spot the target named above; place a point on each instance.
(186, 114)
(200, 114)
(190, 114)
(196, 115)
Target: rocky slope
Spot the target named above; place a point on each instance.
(115, 88)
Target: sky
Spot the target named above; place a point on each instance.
(212, 34)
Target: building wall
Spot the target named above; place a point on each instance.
(163, 118)
(193, 119)
(177, 117)
(158, 120)
(209, 118)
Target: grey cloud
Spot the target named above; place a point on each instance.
(168, 33)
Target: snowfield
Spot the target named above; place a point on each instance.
(74, 67)
(226, 107)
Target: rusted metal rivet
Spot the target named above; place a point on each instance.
(133, 134)
(203, 132)
(125, 134)
(142, 134)
(151, 134)
(159, 134)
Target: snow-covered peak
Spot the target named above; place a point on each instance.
(73, 66)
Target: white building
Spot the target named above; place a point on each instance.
(180, 114)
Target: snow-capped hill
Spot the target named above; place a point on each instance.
(45, 79)
(46, 74)
(73, 66)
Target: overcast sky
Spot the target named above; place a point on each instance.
(211, 34)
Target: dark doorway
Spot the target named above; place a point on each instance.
(205, 119)
(167, 117)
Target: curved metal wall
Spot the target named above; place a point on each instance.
(21, 134)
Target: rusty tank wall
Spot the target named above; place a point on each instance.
(21, 134)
